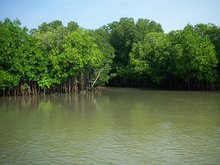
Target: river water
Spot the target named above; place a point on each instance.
(112, 126)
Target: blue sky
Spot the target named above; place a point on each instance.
(172, 14)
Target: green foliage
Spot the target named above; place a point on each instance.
(121, 38)
(15, 54)
(71, 26)
(102, 39)
(80, 51)
(145, 26)
(58, 58)
(52, 55)
(182, 54)
(193, 55)
(45, 27)
(150, 57)
(72, 52)
(8, 80)
(49, 39)
(213, 32)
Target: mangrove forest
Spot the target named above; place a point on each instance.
(54, 58)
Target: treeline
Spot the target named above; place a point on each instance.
(181, 59)
(57, 58)
(52, 58)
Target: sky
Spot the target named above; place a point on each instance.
(92, 14)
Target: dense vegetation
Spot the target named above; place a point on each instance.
(58, 58)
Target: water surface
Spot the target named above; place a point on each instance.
(113, 126)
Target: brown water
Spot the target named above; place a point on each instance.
(113, 126)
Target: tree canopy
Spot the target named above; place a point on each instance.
(58, 58)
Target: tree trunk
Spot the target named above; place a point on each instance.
(82, 81)
(69, 85)
(75, 85)
(97, 77)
